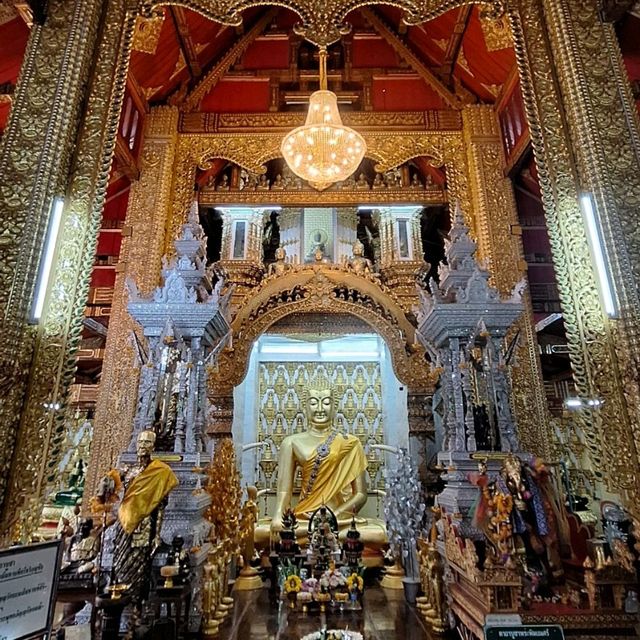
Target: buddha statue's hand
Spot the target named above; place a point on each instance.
(275, 528)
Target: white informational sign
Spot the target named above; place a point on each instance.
(28, 582)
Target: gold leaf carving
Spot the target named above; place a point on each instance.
(147, 33)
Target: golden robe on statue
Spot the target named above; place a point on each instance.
(145, 492)
(334, 473)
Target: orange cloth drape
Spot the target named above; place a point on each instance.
(146, 491)
(345, 462)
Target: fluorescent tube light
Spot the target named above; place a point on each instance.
(289, 348)
(46, 259)
(597, 250)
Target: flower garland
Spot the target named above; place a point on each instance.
(293, 584)
(355, 582)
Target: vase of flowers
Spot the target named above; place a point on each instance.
(404, 511)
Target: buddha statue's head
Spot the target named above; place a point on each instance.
(358, 248)
(320, 403)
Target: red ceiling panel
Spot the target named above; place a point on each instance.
(404, 94)
(13, 36)
(485, 68)
(267, 53)
(371, 51)
(241, 95)
(628, 33)
(162, 70)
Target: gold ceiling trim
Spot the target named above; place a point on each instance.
(322, 22)
(406, 121)
(334, 198)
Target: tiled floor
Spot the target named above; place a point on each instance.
(385, 616)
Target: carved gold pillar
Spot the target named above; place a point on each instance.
(496, 222)
(143, 243)
(52, 148)
(583, 134)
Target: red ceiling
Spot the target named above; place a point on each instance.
(628, 33)
(13, 42)
(238, 95)
(404, 94)
(13, 39)
(160, 71)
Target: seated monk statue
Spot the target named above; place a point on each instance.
(333, 468)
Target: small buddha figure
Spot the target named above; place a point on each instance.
(333, 468)
(280, 266)
(223, 185)
(349, 184)
(278, 184)
(378, 183)
(415, 182)
(250, 183)
(263, 183)
(362, 183)
(71, 496)
(358, 264)
(83, 549)
(391, 180)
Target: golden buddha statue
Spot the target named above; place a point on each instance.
(333, 468)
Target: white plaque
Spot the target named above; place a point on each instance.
(28, 582)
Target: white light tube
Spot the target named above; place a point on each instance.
(350, 354)
(597, 250)
(289, 348)
(46, 259)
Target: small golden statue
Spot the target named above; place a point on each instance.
(358, 264)
(280, 266)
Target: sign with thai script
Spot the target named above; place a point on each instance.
(525, 632)
(28, 581)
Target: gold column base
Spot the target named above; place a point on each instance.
(248, 580)
(393, 577)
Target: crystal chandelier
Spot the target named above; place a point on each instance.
(323, 150)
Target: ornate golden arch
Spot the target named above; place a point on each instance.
(323, 288)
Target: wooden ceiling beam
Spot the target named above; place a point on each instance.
(126, 162)
(213, 76)
(455, 42)
(137, 93)
(411, 58)
(185, 41)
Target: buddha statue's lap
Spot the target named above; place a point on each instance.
(333, 468)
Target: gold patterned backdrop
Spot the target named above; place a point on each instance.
(281, 388)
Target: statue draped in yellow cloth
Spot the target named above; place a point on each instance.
(147, 485)
(333, 466)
